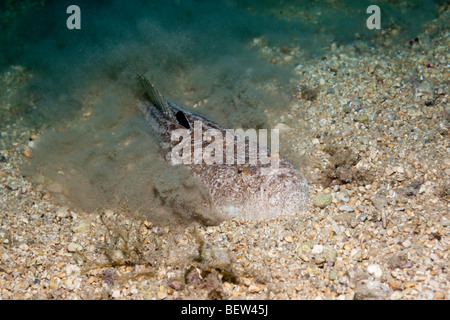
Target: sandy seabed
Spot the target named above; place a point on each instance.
(369, 129)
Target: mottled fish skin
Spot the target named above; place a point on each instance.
(239, 191)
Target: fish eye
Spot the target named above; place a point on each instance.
(181, 118)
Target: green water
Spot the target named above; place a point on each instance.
(193, 50)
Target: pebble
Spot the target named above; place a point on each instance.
(445, 222)
(333, 275)
(439, 295)
(53, 285)
(396, 295)
(347, 208)
(343, 280)
(254, 288)
(27, 152)
(82, 226)
(375, 270)
(361, 118)
(407, 243)
(74, 247)
(342, 196)
(329, 254)
(317, 249)
(63, 212)
(162, 293)
(322, 200)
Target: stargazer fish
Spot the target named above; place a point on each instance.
(239, 186)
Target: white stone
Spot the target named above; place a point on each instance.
(317, 249)
(375, 270)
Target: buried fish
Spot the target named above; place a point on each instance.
(240, 182)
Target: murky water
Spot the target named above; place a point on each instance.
(228, 60)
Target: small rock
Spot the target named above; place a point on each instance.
(62, 212)
(356, 255)
(333, 275)
(427, 188)
(74, 247)
(379, 201)
(288, 238)
(407, 243)
(362, 217)
(343, 280)
(400, 170)
(375, 270)
(439, 295)
(254, 288)
(177, 285)
(361, 118)
(426, 88)
(329, 254)
(389, 170)
(342, 196)
(304, 257)
(322, 200)
(322, 122)
(27, 153)
(319, 259)
(217, 257)
(115, 294)
(162, 294)
(13, 185)
(83, 226)
(347, 208)
(53, 285)
(410, 284)
(118, 256)
(363, 292)
(426, 295)
(396, 295)
(317, 249)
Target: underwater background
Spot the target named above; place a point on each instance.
(232, 61)
(362, 113)
(220, 51)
